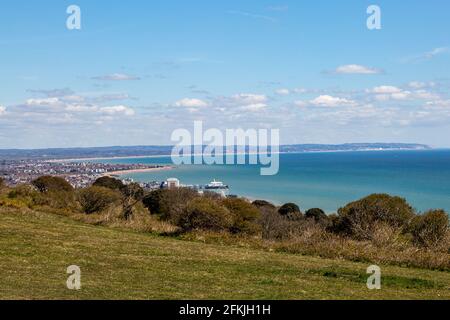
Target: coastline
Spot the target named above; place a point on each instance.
(106, 158)
(123, 172)
(247, 153)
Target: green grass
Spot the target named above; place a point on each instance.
(37, 248)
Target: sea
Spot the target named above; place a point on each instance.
(326, 180)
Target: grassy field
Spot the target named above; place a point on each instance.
(37, 248)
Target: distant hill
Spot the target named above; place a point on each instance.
(108, 152)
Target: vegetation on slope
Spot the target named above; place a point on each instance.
(379, 229)
(118, 263)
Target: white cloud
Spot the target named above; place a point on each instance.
(2, 110)
(427, 55)
(252, 15)
(385, 90)
(327, 101)
(423, 94)
(385, 93)
(117, 110)
(283, 92)
(437, 51)
(46, 102)
(254, 107)
(301, 90)
(356, 69)
(249, 98)
(81, 108)
(116, 77)
(438, 104)
(191, 103)
(421, 85)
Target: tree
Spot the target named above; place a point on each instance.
(431, 228)
(263, 203)
(170, 204)
(290, 211)
(109, 182)
(317, 214)
(96, 199)
(49, 184)
(358, 219)
(132, 194)
(153, 201)
(245, 216)
(204, 214)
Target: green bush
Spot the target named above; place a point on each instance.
(245, 216)
(291, 211)
(132, 194)
(153, 201)
(97, 199)
(318, 215)
(50, 183)
(132, 191)
(169, 204)
(358, 219)
(108, 182)
(22, 191)
(204, 214)
(262, 204)
(25, 194)
(430, 229)
(57, 199)
(274, 226)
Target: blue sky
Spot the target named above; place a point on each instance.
(138, 70)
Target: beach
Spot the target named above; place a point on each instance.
(133, 171)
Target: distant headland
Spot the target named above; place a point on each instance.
(148, 151)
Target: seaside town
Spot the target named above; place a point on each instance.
(81, 174)
(78, 174)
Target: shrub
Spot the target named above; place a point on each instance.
(318, 215)
(96, 199)
(49, 183)
(109, 182)
(133, 191)
(358, 218)
(153, 201)
(2, 183)
(291, 211)
(274, 226)
(245, 216)
(24, 194)
(431, 228)
(262, 204)
(56, 199)
(22, 191)
(204, 214)
(132, 194)
(281, 228)
(169, 204)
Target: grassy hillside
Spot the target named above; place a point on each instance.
(36, 249)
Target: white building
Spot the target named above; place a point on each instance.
(172, 183)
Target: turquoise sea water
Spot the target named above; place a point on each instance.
(327, 180)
